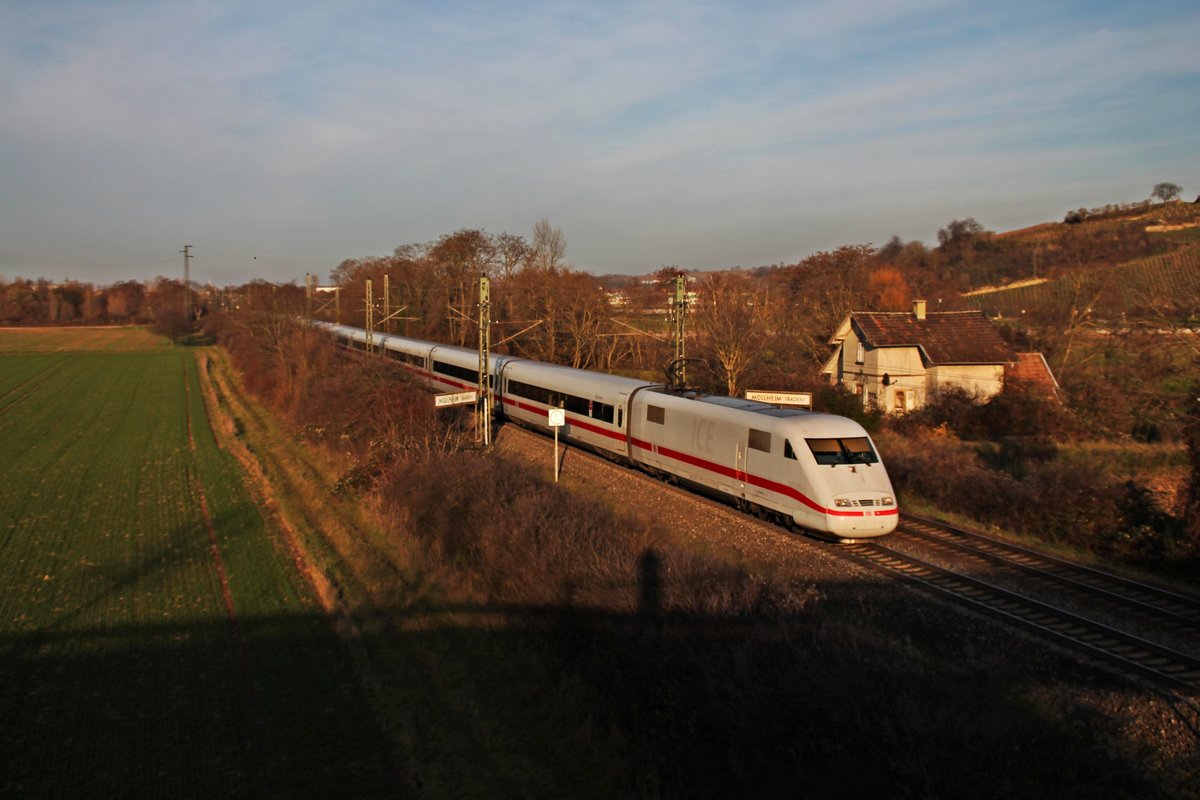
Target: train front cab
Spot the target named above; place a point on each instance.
(848, 475)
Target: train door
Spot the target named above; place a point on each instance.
(740, 470)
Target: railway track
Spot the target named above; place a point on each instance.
(1140, 598)
(1143, 629)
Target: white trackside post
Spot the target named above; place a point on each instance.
(557, 418)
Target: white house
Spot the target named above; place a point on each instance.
(897, 359)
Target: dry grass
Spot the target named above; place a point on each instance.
(114, 339)
(519, 627)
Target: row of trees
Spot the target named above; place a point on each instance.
(770, 325)
(765, 328)
(41, 302)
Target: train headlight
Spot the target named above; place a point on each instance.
(842, 502)
(887, 501)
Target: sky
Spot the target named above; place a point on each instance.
(280, 138)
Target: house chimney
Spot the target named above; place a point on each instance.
(919, 309)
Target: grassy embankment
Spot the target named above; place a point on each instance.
(154, 638)
(470, 585)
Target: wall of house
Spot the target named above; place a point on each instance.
(906, 373)
(983, 380)
(906, 388)
(910, 384)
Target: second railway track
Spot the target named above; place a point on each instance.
(1144, 629)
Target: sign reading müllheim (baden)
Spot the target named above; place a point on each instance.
(454, 399)
(801, 399)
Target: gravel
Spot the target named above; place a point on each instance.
(1166, 723)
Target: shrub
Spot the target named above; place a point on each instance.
(836, 400)
(1014, 412)
(1013, 454)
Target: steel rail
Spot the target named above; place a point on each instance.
(1129, 652)
(1167, 605)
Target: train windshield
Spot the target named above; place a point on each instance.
(849, 450)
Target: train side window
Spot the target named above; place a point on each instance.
(760, 440)
(656, 414)
(576, 405)
(455, 371)
(602, 412)
(788, 452)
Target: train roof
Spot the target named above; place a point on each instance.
(742, 404)
(527, 369)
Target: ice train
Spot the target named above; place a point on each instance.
(815, 471)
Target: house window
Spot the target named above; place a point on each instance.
(901, 402)
(860, 353)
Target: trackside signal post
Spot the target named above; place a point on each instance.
(557, 417)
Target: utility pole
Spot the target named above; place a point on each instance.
(387, 303)
(680, 311)
(187, 282)
(370, 319)
(484, 408)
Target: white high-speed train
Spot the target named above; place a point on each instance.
(817, 471)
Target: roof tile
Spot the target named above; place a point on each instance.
(945, 337)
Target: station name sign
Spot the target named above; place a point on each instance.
(801, 399)
(454, 399)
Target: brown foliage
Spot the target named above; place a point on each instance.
(731, 326)
(1023, 486)
(890, 288)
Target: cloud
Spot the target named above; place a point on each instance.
(697, 133)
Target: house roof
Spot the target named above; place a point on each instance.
(944, 337)
(1032, 370)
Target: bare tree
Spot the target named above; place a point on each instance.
(731, 324)
(549, 247)
(512, 251)
(820, 291)
(584, 310)
(1166, 192)
(462, 257)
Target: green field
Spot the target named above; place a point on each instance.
(156, 639)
